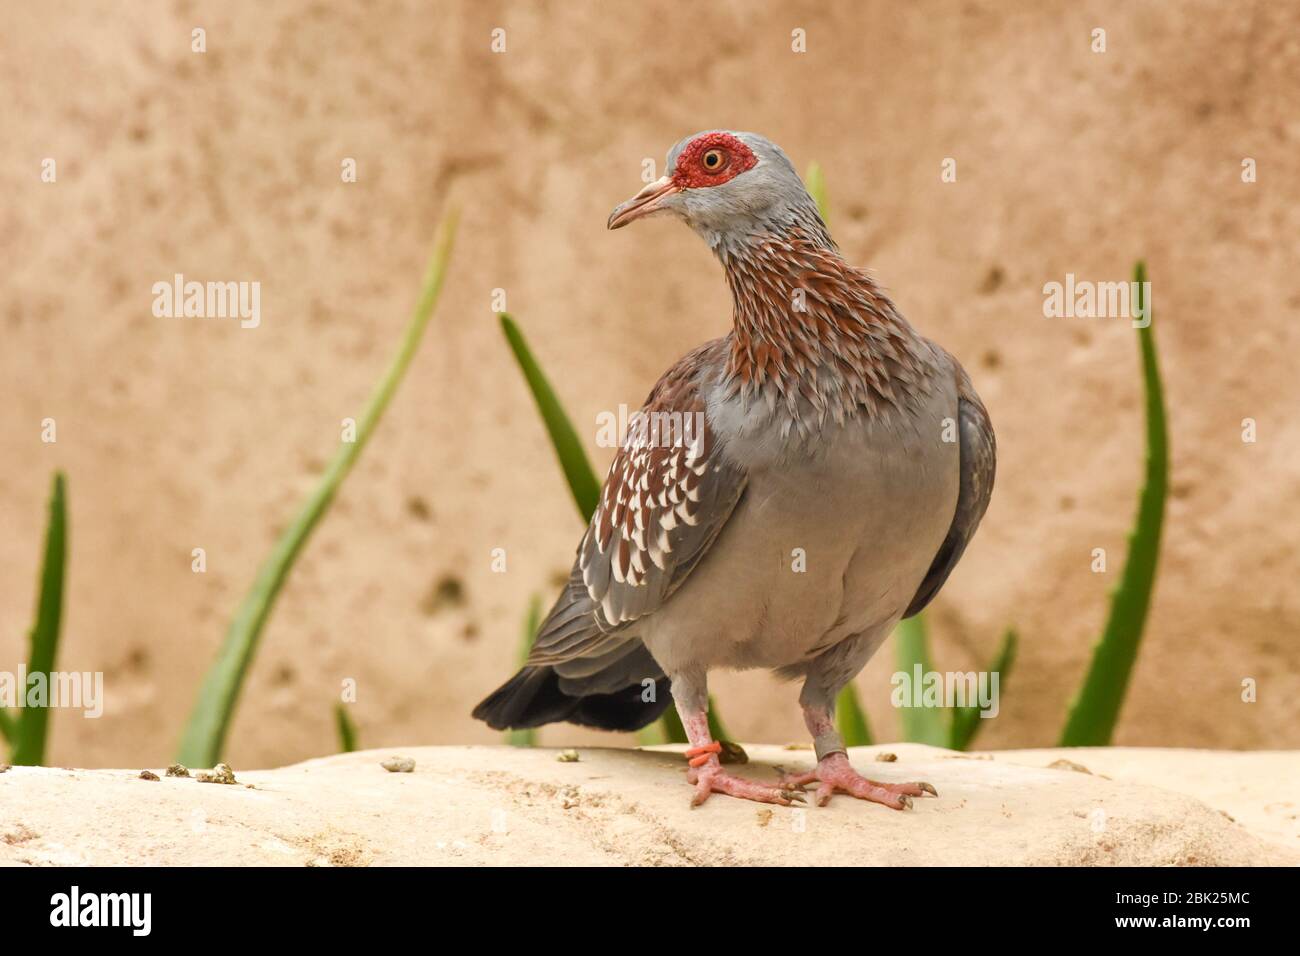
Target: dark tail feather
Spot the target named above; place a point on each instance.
(533, 697)
(529, 699)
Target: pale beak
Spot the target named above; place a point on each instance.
(643, 203)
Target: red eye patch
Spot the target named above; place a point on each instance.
(691, 171)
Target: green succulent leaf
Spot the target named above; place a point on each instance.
(922, 725)
(28, 732)
(583, 484)
(346, 729)
(851, 719)
(966, 721)
(527, 737)
(815, 181)
(1095, 709)
(205, 734)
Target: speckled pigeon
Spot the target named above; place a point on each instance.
(841, 465)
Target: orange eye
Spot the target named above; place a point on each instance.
(714, 160)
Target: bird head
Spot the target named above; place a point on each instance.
(728, 187)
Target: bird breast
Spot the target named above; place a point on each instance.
(832, 537)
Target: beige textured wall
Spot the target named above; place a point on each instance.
(180, 434)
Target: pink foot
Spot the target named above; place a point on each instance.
(834, 772)
(707, 775)
(709, 780)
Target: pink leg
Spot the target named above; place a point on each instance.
(834, 772)
(706, 771)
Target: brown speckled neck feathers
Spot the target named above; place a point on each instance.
(816, 335)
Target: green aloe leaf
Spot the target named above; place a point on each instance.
(651, 735)
(8, 727)
(851, 719)
(716, 728)
(28, 732)
(583, 484)
(527, 737)
(966, 721)
(1095, 709)
(347, 730)
(673, 731)
(922, 725)
(205, 734)
(815, 182)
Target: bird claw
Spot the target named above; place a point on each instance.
(835, 774)
(709, 780)
(789, 780)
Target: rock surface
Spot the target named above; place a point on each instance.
(502, 806)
